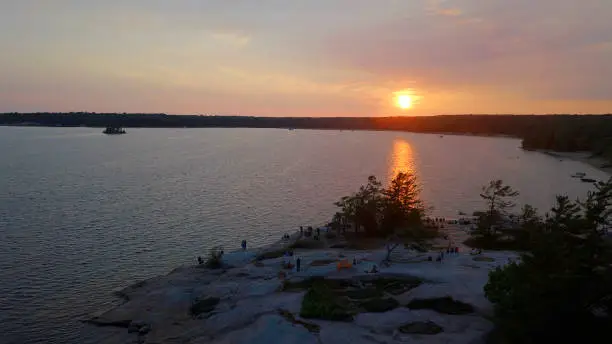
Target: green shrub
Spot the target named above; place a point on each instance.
(307, 244)
(322, 262)
(396, 286)
(214, 258)
(307, 283)
(271, 254)
(321, 303)
(379, 305)
(366, 293)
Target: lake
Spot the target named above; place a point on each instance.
(82, 213)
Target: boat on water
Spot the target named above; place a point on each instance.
(579, 175)
(588, 180)
(113, 131)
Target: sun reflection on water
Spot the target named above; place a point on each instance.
(402, 159)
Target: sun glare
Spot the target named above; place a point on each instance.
(404, 101)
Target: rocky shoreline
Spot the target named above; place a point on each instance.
(248, 301)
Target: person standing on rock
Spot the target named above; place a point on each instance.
(244, 245)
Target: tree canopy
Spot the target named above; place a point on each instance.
(381, 211)
(562, 286)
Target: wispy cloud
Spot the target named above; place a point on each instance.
(442, 8)
(231, 38)
(450, 12)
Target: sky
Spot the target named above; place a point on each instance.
(306, 57)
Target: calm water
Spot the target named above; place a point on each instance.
(82, 213)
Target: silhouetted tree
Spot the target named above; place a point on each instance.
(363, 207)
(499, 199)
(381, 211)
(562, 288)
(402, 207)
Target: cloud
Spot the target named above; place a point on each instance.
(440, 8)
(231, 38)
(450, 12)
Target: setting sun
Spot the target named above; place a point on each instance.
(404, 101)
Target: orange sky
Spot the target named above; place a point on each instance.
(306, 57)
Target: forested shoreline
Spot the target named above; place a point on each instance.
(549, 132)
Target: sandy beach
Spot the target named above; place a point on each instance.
(248, 301)
(584, 157)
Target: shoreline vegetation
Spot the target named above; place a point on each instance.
(382, 271)
(559, 133)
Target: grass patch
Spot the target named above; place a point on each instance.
(378, 305)
(320, 302)
(307, 244)
(471, 266)
(360, 294)
(332, 284)
(206, 305)
(322, 262)
(445, 305)
(314, 328)
(483, 259)
(396, 286)
(421, 327)
(271, 254)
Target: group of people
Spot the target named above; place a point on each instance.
(452, 249)
(436, 220)
(449, 250)
(309, 232)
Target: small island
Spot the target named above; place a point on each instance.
(113, 131)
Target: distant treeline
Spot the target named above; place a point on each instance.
(553, 132)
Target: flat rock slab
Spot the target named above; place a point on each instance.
(250, 299)
(269, 329)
